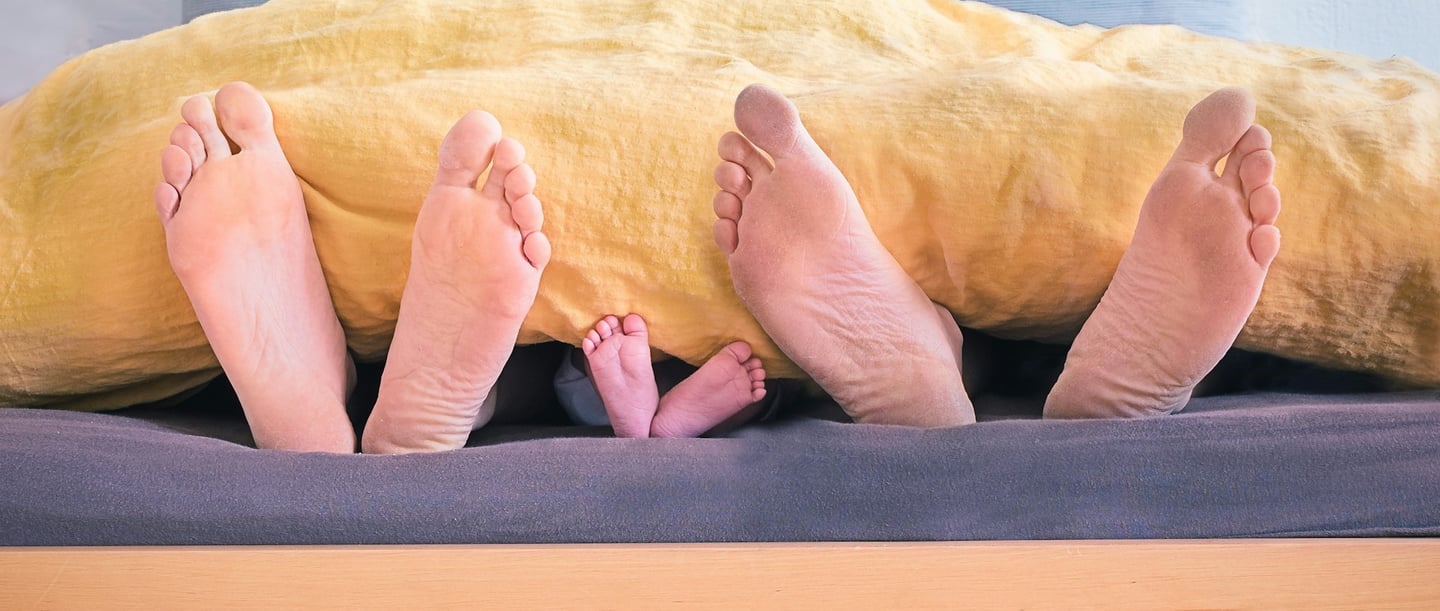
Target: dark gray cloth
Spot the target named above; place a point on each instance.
(1255, 465)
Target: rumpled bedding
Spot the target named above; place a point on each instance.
(1266, 465)
(1000, 157)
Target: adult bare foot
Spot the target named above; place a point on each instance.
(807, 265)
(475, 265)
(730, 381)
(619, 357)
(240, 243)
(1191, 276)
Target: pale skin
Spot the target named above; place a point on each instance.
(239, 241)
(618, 354)
(240, 244)
(1183, 290)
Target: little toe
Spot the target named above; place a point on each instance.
(509, 154)
(1215, 125)
(738, 150)
(200, 115)
(246, 116)
(185, 137)
(467, 149)
(587, 345)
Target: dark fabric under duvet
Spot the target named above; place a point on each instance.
(1252, 465)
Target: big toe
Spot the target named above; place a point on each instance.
(772, 122)
(740, 351)
(1215, 126)
(245, 116)
(467, 149)
(634, 325)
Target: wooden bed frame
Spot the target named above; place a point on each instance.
(1147, 574)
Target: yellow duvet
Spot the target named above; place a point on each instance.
(1002, 159)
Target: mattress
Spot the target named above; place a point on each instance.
(1255, 464)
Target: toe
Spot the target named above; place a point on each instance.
(1265, 244)
(593, 336)
(1256, 139)
(200, 115)
(735, 149)
(527, 213)
(731, 178)
(1265, 205)
(177, 167)
(246, 116)
(525, 208)
(740, 351)
(607, 327)
(727, 206)
(635, 325)
(185, 137)
(467, 149)
(1215, 126)
(519, 182)
(727, 236)
(1256, 170)
(537, 250)
(167, 201)
(771, 122)
(509, 154)
(587, 345)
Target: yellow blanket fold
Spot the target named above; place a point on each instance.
(1002, 158)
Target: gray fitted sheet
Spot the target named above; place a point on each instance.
(1250, 465)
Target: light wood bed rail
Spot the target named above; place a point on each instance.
(1267, 573)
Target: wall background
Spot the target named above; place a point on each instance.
(37, 35)
(1377, 28)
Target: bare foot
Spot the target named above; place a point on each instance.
(1191, 276)
(619, 358)
(239, 241)
(475, 265)
(729, 382)
(809, 268)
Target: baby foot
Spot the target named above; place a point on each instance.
(239, 241)
(1191, 276)
(475, 265)
(619, 358)
(807, 265)
(727, 383)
